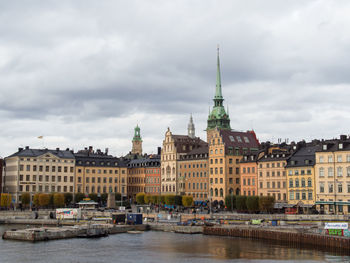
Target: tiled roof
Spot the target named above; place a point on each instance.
(27, 152)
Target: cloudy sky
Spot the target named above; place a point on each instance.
(86, 72)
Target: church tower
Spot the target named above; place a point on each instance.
(137, 142)
(218, 118)
(191, 129)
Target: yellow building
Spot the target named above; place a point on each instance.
(97, 172)
(332, 176)
(301, 176)
(38, 170)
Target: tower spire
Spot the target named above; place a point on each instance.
(190, 128)
(218, 92)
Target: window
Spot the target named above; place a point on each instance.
(310, 195)
(340, 171)
(330, 172)
(303, 196)
(296, 182)
(291, 195)
(321, 172)
(330, 158)
(339, 158)
(340, 188)
(239, 139)
(321, 159)
(302, 182)
(309, 182)
(297, 196)
(246, 140)
(330, 187)
(321, 187)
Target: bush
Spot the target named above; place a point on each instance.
(36, 200)
(25, 198)
(266, 203)
(169, 199)
(187, 200)
(140, 198)
(44, 200)
(79, 197)
(241, 203)
(252, 203)
(93, 197)
(178, 200)
(147, 198)
(5, 200)
(58, 200)
(230, 202)
(68, 198)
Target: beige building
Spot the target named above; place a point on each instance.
(175, 146)
(194, 168)
(272, 179)
(38, 170)
(97, 172)
(332, 176)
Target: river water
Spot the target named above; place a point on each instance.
(158, 247)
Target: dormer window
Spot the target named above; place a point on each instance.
(294, 147)
(271, 155)
(232, 139)
(277, 155)
(324, 147)
(340, 146)
(283, 155)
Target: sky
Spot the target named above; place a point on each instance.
(85, 72)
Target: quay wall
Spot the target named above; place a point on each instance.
(293, 238)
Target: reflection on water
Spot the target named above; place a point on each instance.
(158, 247)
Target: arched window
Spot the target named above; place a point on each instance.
(237, 191)
(166, 189)
(290, 182)
(309, 182)
(221, 192)
(211, 192)
(303, 182)
(216, 192)
(296, 182)
(168, 170)
(173, 170)
(231, 191)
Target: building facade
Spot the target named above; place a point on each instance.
(272, 178)
(175, 146)
(249, 174)
(332, 176)
(97, 172)
(301, 176)
(194, 168)
(38, 170)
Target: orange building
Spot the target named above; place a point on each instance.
(249, 174)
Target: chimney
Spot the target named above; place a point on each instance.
(106, 151)
(57, 149)
(27, 147)
(67, 149)
(20, 149)
(90, 149)
(159, 150)
(342, 137)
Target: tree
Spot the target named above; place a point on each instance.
(230, 202)
(36, 200)
(170, 199)
(68, 198)
(178, 200)
(161, 199)
(104, 198)
(51, 200)
(5, 200)
(252, 203)
(93, 197)
(154, 199)
(187, 200)
(118, 196)
(44, 200)
(147, 198)
(140, 198)
(266, 203)
(25, 198)
(241, 203)
(79, 197)
(58, 200)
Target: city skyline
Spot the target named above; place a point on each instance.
(90, 77)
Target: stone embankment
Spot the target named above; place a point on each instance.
(288, 236)
(52, 233)
(176, 228)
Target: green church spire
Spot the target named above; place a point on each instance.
(218, 92)
(137, 135)
(218, 116)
